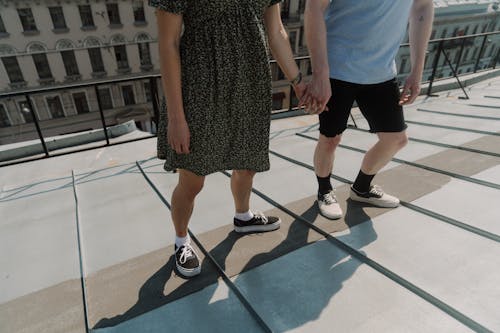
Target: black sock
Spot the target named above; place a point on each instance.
(362, 182)
(324, 184)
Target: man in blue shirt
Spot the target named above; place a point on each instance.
(353, 45)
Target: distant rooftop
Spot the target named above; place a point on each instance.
(86, 239)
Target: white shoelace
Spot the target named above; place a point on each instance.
(261, 216)
(377, 190)
(329, 198)
(187, 251)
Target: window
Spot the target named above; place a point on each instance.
(42, 66)
(466, 54)
(121, 57)
(81, 102)
(86, 15)
(144, 54)
(138, 7)
(96, 60)
(55, 107)
(69, 61)
(147, 92)
(27, 19)
(473, 57)
(278, 100)
(128, 95)
(492, 50)
(57, 15)
(105, 98)
(402, 67)
(292, 37)
(113, 13)
(25, 111)
(4, 117)
(285, 9)
(13, 70)
(2, 26)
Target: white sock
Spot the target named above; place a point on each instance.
(179, 241)
(244, 216)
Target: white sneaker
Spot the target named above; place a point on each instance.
(328, 205)
(375, 196)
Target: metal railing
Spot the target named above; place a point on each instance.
(439, 52)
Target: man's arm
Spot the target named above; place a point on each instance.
(319, 91)
(421, 17)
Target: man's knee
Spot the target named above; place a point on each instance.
(329, 144)
(398, 140)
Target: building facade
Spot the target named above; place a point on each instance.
(53, 43)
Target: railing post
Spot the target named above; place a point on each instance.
(37, 124)
(153, 86)
(290, 98)
(460, 55)
(434, 67)
(103, 120)
(480, 52)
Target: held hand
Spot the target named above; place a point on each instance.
(178, 136)
(300, 89)
(318, 93)
(411, 89)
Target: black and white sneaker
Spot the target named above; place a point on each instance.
(329, 206)
(375, 196)
(186, 261)
(259, 222)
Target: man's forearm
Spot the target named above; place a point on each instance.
(421, 18)
(315, 30)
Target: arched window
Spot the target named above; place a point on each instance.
(65, 44)
(36, 47)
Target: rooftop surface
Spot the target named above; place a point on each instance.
(86, 239)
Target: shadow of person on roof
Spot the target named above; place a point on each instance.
(297, 287)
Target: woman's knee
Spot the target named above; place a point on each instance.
(244, 173)
(191, 183)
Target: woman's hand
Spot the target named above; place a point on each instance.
(178, 136)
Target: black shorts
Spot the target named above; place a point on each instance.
(379, 104)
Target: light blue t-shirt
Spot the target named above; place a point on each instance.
(363, 38)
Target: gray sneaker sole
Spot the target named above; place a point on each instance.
(258, 228)
(374, 202)
(188, 272)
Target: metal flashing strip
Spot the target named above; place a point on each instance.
(221, 271)
(458, 115)
(80, 254)
(421, 166)
(434, 143)
(452, 128)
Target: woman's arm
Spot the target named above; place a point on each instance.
(169, 35)
(280, 46)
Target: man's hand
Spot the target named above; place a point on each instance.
(411, 89)
(318, 93)
(178, 136)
